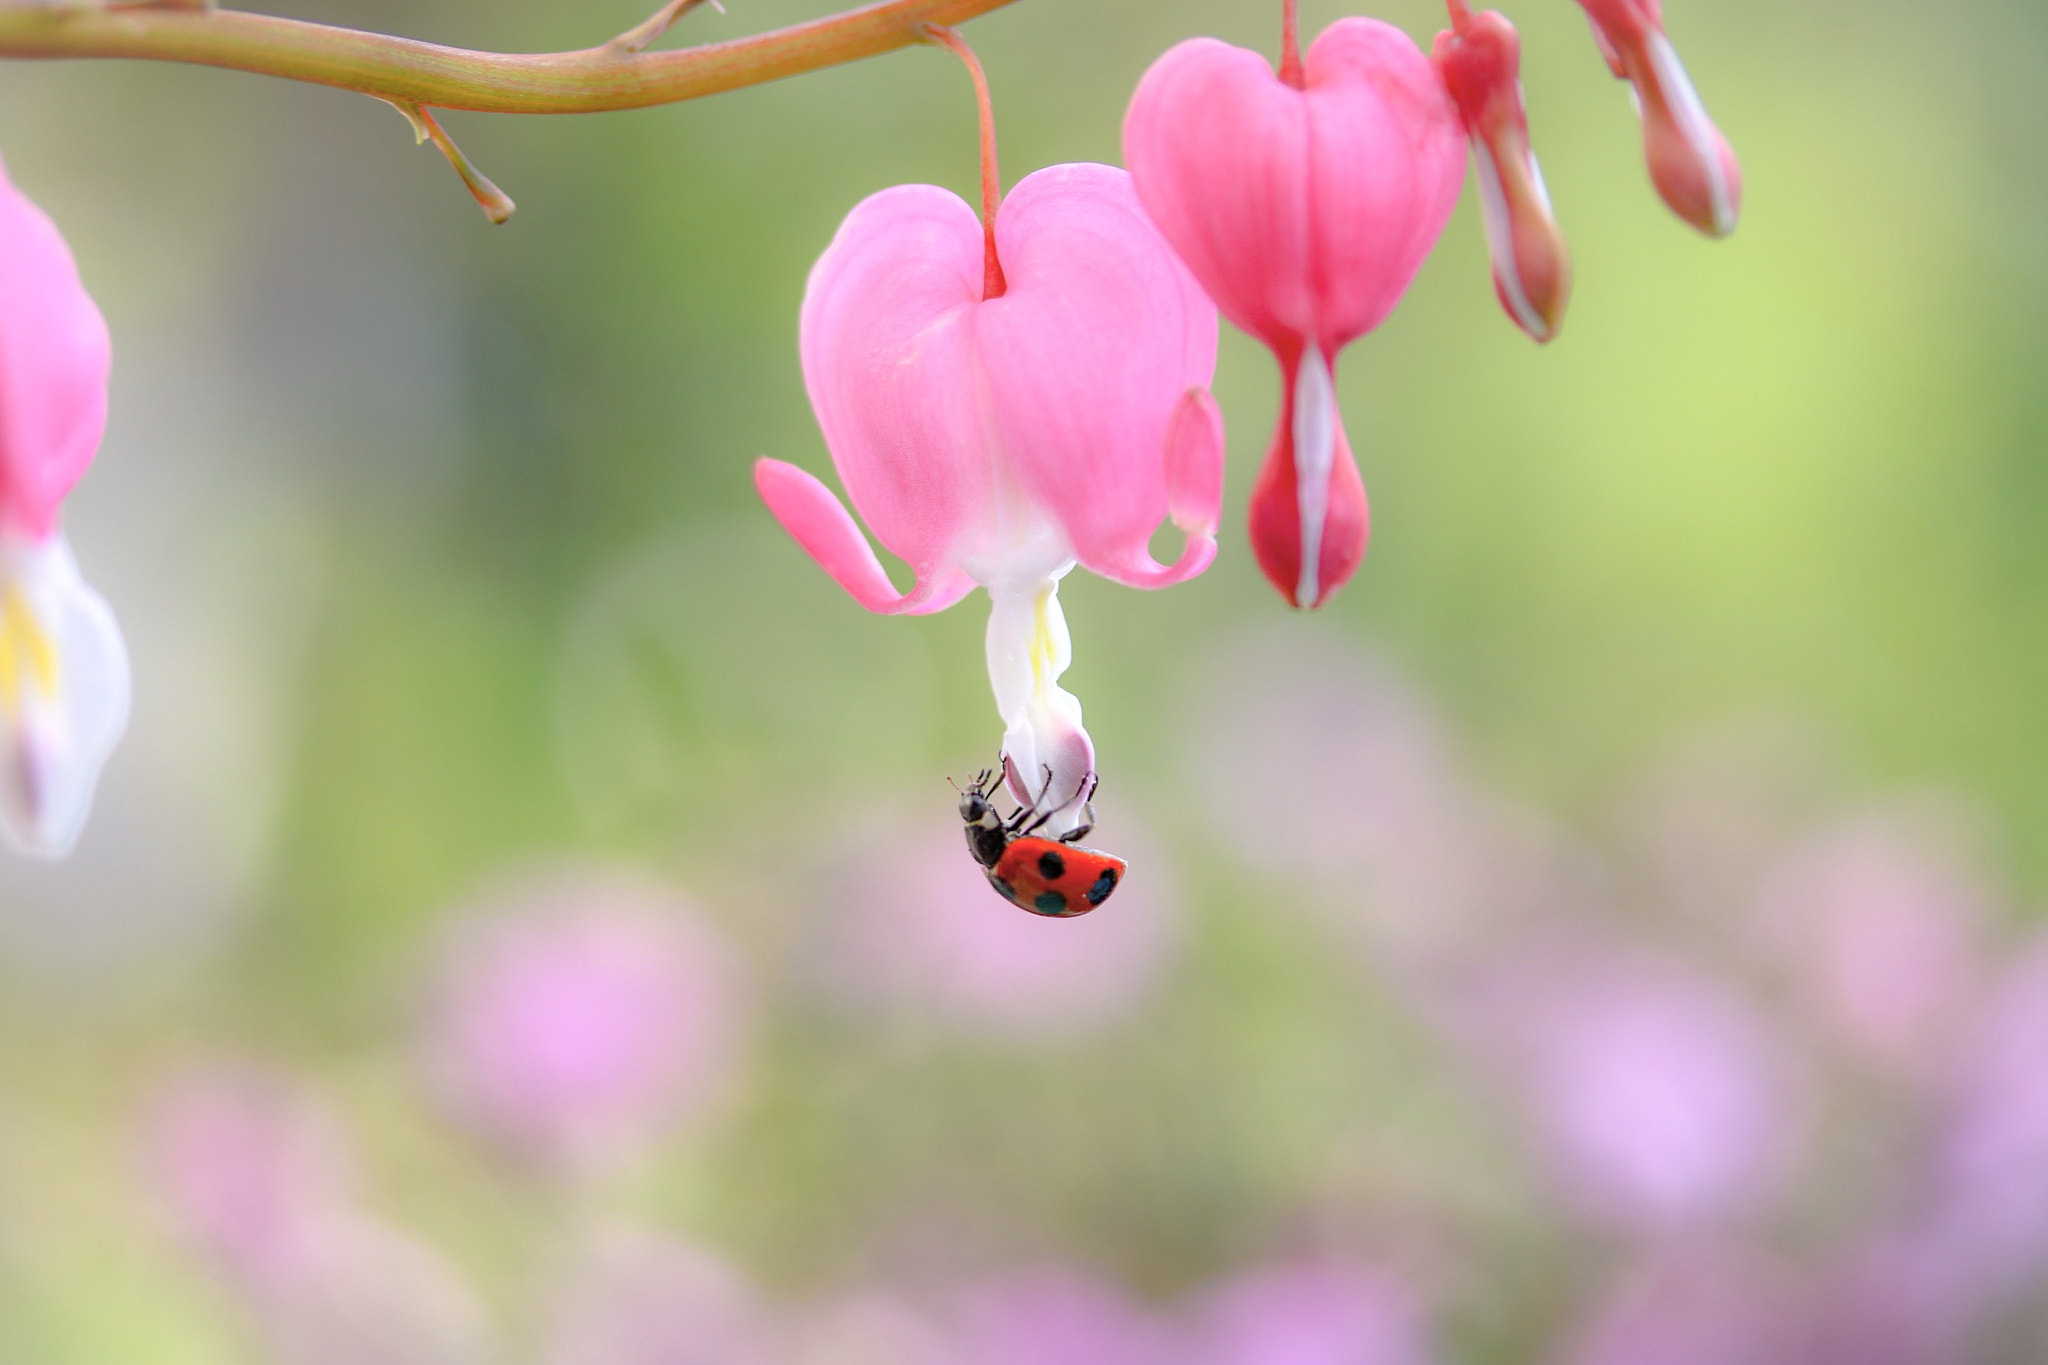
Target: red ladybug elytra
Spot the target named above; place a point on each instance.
(1056, 878)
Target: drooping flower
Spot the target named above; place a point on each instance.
(1691, 164)
(1480, 59)
(1304, 201)
(999, 438)
(63, 666)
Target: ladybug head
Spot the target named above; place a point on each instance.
(975, 807)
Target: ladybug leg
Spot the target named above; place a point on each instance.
(1017, 826)
(1084, 794)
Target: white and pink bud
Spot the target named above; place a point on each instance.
(1480, 59)
(1691, 164)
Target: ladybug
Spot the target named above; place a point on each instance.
(1056, 878)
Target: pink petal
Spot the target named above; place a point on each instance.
(1088, 359)
(888, 361)
(821, 524)
(54, 359)
(1305, 213)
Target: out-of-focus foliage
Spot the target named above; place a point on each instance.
(1605, 934)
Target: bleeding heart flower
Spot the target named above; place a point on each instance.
(1691, 164)
(1480, 59)
(63, 667)
(996, 427)
(1304, 201)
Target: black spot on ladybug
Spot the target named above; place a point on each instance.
(1049, 903)
(1009, 893)
(1104, 884)
(1051, 866)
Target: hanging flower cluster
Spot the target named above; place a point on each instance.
(1005, 396)
(1008, 398)
(63, 667)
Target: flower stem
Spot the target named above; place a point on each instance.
(992, 282)
(404, 71)
(1290, 43)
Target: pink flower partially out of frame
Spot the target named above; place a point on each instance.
(63, 666)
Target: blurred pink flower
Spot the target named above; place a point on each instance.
(1695, 1306)
(1880, 926)
(253, 1172)
(579, 1014)
(1312, 1313)
(1304, 201)
(1986, 1218)
(1323, 765)
(248, 1165)
(63, 666)
(1662, 1099)
(919, 931)
(1038, 1317)
(999, 440)
(867, 1328)
(636, 1298)
(1886, 1303)
(371, 1295)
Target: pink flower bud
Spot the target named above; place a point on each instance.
(1690, 162)
(1480, 58)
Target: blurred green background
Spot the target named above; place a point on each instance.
(438, 554)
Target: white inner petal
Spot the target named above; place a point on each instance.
(64, 692)
(1315, 452)
(1500, 241)
(1043, 737)
(1697, 127)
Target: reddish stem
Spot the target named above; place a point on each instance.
(1461, 13)
(1290, 44)
(992, 282)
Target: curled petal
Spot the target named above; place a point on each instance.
(1088, 359)
(1194, 497)
(64, 693)
(1480, 60)
(820, 523)
(1691, 164)
(54, 359)
(1309, 516)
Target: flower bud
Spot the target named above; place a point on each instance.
(1480, 59)
(1691, 164)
